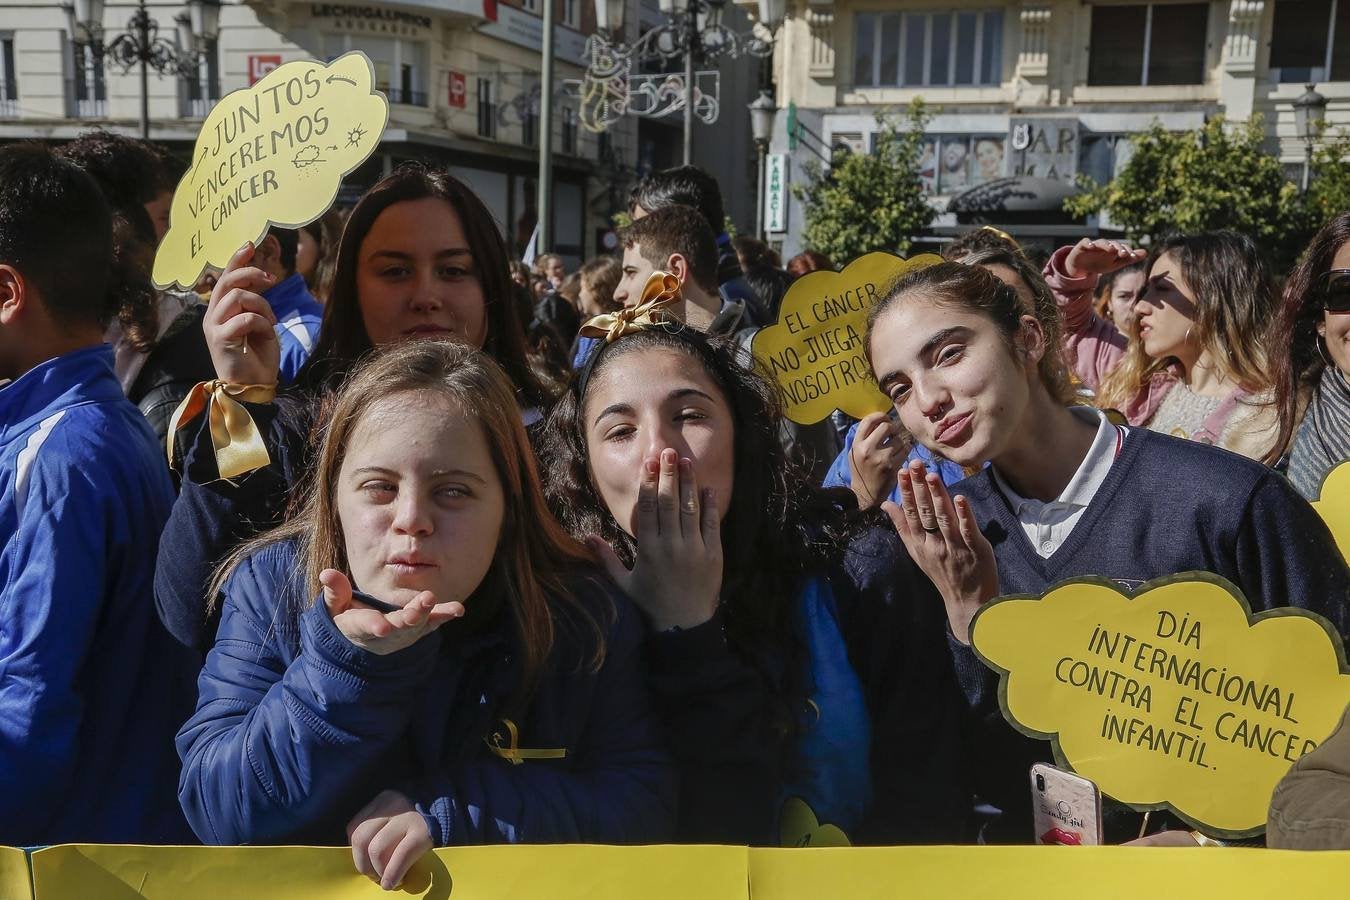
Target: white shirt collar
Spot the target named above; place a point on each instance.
(1092, 471)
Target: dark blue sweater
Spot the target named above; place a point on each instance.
(1167, 506)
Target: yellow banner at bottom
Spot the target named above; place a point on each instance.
(572, 872)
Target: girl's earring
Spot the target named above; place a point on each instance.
(1321, 342)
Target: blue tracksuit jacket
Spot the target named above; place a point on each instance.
(92, 688)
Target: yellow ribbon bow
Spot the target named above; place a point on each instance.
(661, 290)
(505, 742)
(238, 443)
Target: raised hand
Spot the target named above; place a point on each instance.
(387, 837)
(677, 575)
(875, 458)
(1100, 256)
(943, 537)
(240, 326)
(379, 632)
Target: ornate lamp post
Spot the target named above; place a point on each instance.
(612, 89)
(762, 115)
(141, 43)
(1310, 111)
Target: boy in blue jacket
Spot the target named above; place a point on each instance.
(91, 687)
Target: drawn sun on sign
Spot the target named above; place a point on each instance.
(354, 136)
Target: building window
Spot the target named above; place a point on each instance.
(9, 82)
(569, 131)
(400, 64)
(201, 89)
(1148, 44)
(941, 49)
(530, 5)
(487, 109)
(88, 91)
(1310, 41)
(571, 13)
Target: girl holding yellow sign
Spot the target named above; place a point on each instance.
(1068, 494)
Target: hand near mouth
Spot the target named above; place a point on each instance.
(944, 539)
(379, 632)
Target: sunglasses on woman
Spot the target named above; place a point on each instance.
(1336, 290)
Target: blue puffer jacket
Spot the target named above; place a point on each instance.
(297, 729)
(92, 688)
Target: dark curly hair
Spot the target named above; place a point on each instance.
(777, 530)
(1298, 370)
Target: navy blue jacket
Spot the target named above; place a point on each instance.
(1167, 506)
(297, 728)
(91, 687)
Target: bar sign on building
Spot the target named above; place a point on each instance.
(776, 193)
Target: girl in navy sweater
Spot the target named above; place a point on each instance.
(485, 686)
(1067, 494)
(797, 658)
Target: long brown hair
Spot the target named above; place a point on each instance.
(1299, 371)
(533, 551)
(343, 339)
(1235, 301)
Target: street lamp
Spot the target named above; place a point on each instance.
(762, 114)
(611, 89)
(141, 43)
(1310, 112)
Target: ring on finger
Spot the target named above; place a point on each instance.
(933, 530)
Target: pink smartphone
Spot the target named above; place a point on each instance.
(1067, 807)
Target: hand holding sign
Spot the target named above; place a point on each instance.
(677, 576)
(270, 154)
(1173, 697)
(240, 326)
(815, 349)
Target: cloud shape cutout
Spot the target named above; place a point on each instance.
(814, 352)
(1334, 506)
(256, 162)
(1176, 697)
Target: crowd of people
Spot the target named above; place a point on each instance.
(380, 538)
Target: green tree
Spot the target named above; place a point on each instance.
(869, 201)
(1217, 176)
(1329, 189)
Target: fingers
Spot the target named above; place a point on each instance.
(898, 518)
(648, 522)
(689, 520)
(908, 509)
(710, 524)
(869, 423)
(404, 855)
(337, 591)
(667, 495)
(243, 286)
(943, 510)
(444, 612)
(923, 500)
(382, 847)
(361, 837)
(242, 257)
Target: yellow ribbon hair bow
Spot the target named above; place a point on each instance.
(238, 443)
(661, 290)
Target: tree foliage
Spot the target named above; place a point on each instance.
(1217, 176)
(1329, 191)
(869, 201)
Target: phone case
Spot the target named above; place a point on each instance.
(1067, 807)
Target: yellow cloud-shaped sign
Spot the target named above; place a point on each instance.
(1334, 506)
(815, 349)
(1175, 697)
(271, 154)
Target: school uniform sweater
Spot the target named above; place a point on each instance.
(91, 686)
(1167, 506)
